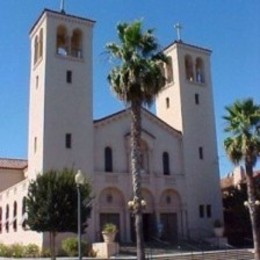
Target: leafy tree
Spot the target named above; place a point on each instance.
(243, 145)
(236, 216)
(52, 204)
(136, 79)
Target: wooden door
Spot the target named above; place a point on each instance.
(169, 227)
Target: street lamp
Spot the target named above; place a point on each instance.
(252, 204)
(79, 180)
(134, 204)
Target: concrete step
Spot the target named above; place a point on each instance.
(212, 255)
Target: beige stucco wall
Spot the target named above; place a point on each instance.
(13, 194)
(114, 132)
(57, 107)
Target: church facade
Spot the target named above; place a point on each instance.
(180, 178)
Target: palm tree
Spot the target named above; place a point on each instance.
(136, 79)
(243, 145)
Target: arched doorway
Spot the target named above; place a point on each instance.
(149, 218)
(111, 205)
(169, 209)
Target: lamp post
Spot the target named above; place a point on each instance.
(79, 180)
(252, 204)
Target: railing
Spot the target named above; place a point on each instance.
(180, 252)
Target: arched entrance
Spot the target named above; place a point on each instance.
(111, 209)
(169, 209)
(149, 218)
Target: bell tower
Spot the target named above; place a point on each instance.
(60, 107)
(186, 103)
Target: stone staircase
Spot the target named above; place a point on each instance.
(231, 254)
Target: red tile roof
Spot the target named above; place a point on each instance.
(13, 163)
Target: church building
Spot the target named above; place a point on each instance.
(180, 176)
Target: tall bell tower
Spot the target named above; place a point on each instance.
(60, 108)
(186, 103)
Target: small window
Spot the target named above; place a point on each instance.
(41, 43)
(189, 68)
(76, 44)
(1, 219)
(169, 70)
(68, 141)
(62, 41)
(36, 49)
(167, 102)
(197, 99)
(7, 218)
(15, 216)
(201, 153)
(69, 76)
(199, 67)
(201, 211)
(35, 144)
(166, 164)
(24, 213)
(161, 67)
(37, 82)
(208, 209)
(108, 159)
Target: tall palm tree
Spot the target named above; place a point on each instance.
(136, 79)
(243, 145)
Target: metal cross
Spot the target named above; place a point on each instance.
(178, 28)
(62, 3)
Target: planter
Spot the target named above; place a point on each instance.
(108, 236)
(219, 231)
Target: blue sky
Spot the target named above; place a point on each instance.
(231, 28)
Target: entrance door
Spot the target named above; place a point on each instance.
(148, 227)
(169, 227)
(110, 218)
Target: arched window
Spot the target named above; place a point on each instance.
(62, 41)
(162, 69)
(1, 220)
(169, 69)
(76, 44)
(15, 216)
(167, 102)
(199, 67)
(7, 218)
(166, 163)
(36, 49)
(144, 157)
(189, 68)
(41, 43)
(24, 213)
(108, 159)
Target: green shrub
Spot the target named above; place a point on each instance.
(70, 246)
(45, 252)
(31, 250)
(5, 250)
(109, 228)
(16, 250)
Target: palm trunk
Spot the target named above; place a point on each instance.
(253, 209)
(136, 178)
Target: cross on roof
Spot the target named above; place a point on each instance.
(178, 28)
(62, 3)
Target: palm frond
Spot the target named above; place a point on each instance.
(242, 124)
(137, 75)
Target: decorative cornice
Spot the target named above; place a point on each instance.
(185, 45)
(65, 17)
